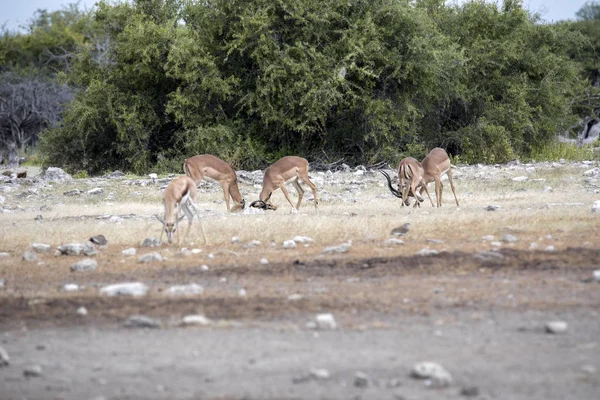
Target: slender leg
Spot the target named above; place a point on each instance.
(312, 187)
(452, 186)
(225, 185)
(286, 194)
(193, 206)
(299, 190)
(424, 188)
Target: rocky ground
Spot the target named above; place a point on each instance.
(500, 295)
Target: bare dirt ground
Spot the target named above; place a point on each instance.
(481, 316)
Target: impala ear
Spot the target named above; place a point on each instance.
(162, 221)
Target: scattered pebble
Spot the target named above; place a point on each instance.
(520, 178)
(550, 248)
(185, 290)
(289, 244)
(556, 327)
(150, 242)
(325, 321)
(242, 292)
(4, 255)
(469, 391)
(596, 207)
(33, 371)
(435, 241)
(488, 238)
(142, 321)
(492, 208)
(436, 375)
(125, 289)
(295, 297)
(87, 264)
(488, 256)
(427, 252)
(319, 373)
(596, 275)
(129, 252)
(263, 261)
(95, 191)
(342, 248)
(40, 247)
(361, 379)
(29, 256)
(252, 243)
(302, 239)
(82, 311)
(508, 238)
(76, 249)
(115, 219)
(393, 242)
(196, 319)
(150, 257)
(236, 239)
(71, 287)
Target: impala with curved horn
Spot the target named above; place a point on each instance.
(410, 174)
(209, 166)
(285, 169)
(179, 195)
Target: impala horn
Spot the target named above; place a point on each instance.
(259, 204)
(389, 182)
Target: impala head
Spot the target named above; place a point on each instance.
(169, 227)
(262, 204)
(395, 192)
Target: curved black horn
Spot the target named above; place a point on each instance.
(259, 204)
(389, 182)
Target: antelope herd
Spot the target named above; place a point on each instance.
(180, 194)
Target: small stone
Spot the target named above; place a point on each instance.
(289, 244)
(488, 238)
(252, 243)
(550, 249)
(150, 242)
(72, 192)
(401, 230)
(342, 248)
(115, 219)
(548, 189)
(125, 289)
(556, 327)
(520, 178)
(196, 320)
(236, 239)
(488, 256)
(82, 311)
(142, 321)
(492, 208)
(435, 241)
(496, 244)
(4, 358)
(263, 261)
(185, 290)
(427, 252)
(153, 176)
(71, 287)
(434, 373)
(319, 373)
(242, 292)
(57, 175)
(361, 379)
(40, 247)
(596, 206)
(204, 267)
(33, 371)
(325, 321)
(393, 242)
(75, 249)
(294, 297)
(469, 391)
(150, 257)
(302, 239)
(592, 172)
(95, 191)
(4, 255)
(87, 264)
(29, 256)
(129, 252)
(596, 275)
(508, 238)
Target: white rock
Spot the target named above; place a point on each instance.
(125, 289)
(4, 255)
(29, 256)
(252, 243)
(520, 178)
(75, 249)
(129, 252)
(596, 275)
(71, 287)
(488, 238)
(40, 247)
(33, 371)
(185, 290)
(496, 244)
(196, 251)
(196, 319)
(325, 321)
(302, 239)
(508, 238)
(550, 248)
(342, 248)
(436, 375)
(87, 264)
(427, 252)
(116, 220)
(393, 242)
(361, 379)
(204, 267)
(295, 297)
(95, 191)
(142, 321)
(153, 176)
(236, 239)
(592, 172)
(488, 256)
(242, 292)
(556, 327)
(263, 261)
(150, 257)
(57, 175)
(150, 242)
(596, 206)
(289, 244)
(319, 373)
(82, 311)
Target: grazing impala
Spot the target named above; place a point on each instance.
(179, 195)
(286, 168)
(435, 165)
(410, 174)
(206, 165)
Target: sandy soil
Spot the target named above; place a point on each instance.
(481, 318)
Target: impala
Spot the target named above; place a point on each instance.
(180, 194)
(410, 174)
(435, 165)
(285, 169)
(208, 166)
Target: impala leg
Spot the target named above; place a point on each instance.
(286, 194)
(452, 186)
(313, 187)
(188, 213)
(225, 186)
(193, 206)
(413, 188)
(438, 191)
(300, 192)
(406, 186)
(424, 188)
